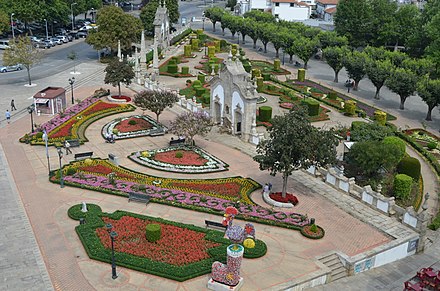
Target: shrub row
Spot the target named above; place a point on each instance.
(179, 37)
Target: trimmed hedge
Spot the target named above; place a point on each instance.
(201, 78)
(350, 107)
(265, 113)
(185, 70)
(402, 186)
(332, 95)
(312, 106)
(187, 50)
(153, 232)
(380, 117)
(276, 64)
(410, 166)
(181, 36)
(172, 68)
(320, 229)
(301, 75)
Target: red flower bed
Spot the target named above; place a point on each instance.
(230, 189)
(290, 198)
(141, 124)
(64, 131)
(123, 97)
(101, 169)
(177, 246)
(189, 158)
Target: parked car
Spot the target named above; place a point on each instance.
(4, 44)
(82, 33)
(56, 40)
(17, 67)
(63, 38)
(74, 34)
(42, 44)
(50, 42)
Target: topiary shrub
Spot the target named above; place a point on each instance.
(380, 117)
(266, 76)
(179, 155)
(211, 51)
(132, 122)
(292, 95)
(206, 99)
(312, 106)
(301, 75)
(217, 46)
(194, 44)
(172, 69)
(200, 91)
(185, 70)
(187, 50)
(332, 95)
(432, 145)
(410, 166)
(396, 141)
(201, 78)
(255, 73)
(196, 83)
(247, 67)
(265, 113)
(259, 84)
(153, 232)
(402, 186)
(39, 135)
(276, 64)
(350, 107)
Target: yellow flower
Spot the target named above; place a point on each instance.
(249, 243)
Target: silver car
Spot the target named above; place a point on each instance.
(17, 67)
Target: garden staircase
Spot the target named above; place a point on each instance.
(338, 270)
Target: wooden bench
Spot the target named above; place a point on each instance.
(157, 131)
(209, 223)
(139, 197)
(84, 155)
(177, 141)
(74, 143)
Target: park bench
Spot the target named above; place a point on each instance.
(84, 155)
(209, 223)
(74, 143)
(139, 197)
(177, 141)
(157, 131)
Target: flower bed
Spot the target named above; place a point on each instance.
(210, 195)
(131, 126)
(180, 159)
(183, 251)
(117, 98)
(266, 67)
(308, 232)
(72, 123)
(290, 198)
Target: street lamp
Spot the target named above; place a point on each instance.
(71, 82)
(93, 13)
(30, 110)
(46, 138)
(60, 156)
(71, 8)
(203, 18)
(47, 34)
(12, 25)
(113, 235)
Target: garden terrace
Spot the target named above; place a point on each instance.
(182, 252)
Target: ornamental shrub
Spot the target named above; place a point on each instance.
(396, 141)
(312, 106)
(259, 84)
(211, 51)
(247, 67)
(201, 78)
(179, 155)
(314, 228)
(256, 73)
(196, 83)
(402, 186)
(200, 91)
(409, 166)
(363, 131)
(266, 76)
(265, 113)
(172, 69)
(276, 64)
(187, 50)
(292, 95)
(132, 122)
(71, 171)
(350, 107)
(301, 75)
(185, 71)
(39, 135)
(432, 145)
(217, 46)
(194, 44)
(332, 95)
(153, 232)
(380, 117)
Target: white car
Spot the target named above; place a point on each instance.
(56, 40)
(17, 67)
(63, 38)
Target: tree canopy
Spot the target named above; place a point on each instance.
(295, 144)
(118, 72)
(148, 13)
(155, 100)
(429, 91)
(189, 124)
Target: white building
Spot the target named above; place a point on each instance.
(262, 5)
(323, 8)
(290, 10)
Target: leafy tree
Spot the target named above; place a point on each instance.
(114, 24)
(254, 32)
(190, 124)
(331, 39)
(265, 30)
(354, 63)
(225, 22)
(215, 15)
(295, 144)
(383, 21)
(404, 24)
(277, 39)
(21, 51)
(305, 49)
(377, 53)
(429, 91)
(288, 40)
(334, 56)
(353, 20)
(396, 57)
(369, 132)
(421, 66)
(371, 156)
(118, 72)
(378, 72)
(231, 4)
(26, 11)
(155, 100)
(403, 82)
(148, 12)
(4, 22)
(260, 16)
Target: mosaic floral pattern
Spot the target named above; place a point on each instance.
(121, 128)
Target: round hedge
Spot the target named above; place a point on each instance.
(265, 113)
(197, 83)
(410, 166)
(153, 232)
(397, 142)
(380, 117)
(75, 212)
(402, 186)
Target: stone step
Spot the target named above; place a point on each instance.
(338, 276)
(328, 258)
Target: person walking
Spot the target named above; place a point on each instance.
(67, 146)
(8, 116)
(13, 105)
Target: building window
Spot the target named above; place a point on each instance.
(291, 4)
(276, 16)
(277, 4)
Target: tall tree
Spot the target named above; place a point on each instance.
(189, 124)
(305, 49)
(334, 56)
(354, 63)
(295, 144)
(260, 16)
(215, 15)
(429, 91)
(114, 24)
(378, 72)
(265, 30)
(155, 100)
(21, 51)
(383, 20)
(277, 39)
(118, 72)
(331, 39)
(403, 82)
(4, 22)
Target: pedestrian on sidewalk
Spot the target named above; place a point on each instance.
(67, 147)
(13, 105)
(265, 188)
(8, 116)
(270, 186)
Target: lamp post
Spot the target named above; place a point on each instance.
(203, 18)
(60, 156)
(71, 82)
(47, 34)
(113, 235)
(238, 37)
(71, 8)
(30, 110)
(93, 13)
(12, 25)
(46, 138)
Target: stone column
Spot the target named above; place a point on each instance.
(155, 57)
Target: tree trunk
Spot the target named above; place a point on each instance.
(213, 27)
(119, 88)
(283, 193)
(157, 116)
(223, 31)
(243, 41)
(255, 43)
(402, 102)
(428, 115)
(336, 80)
(356, 85)
(277, 55)
(233, 34)
(29, 75)
(376, 96)
(305, 64)
(290, 58)
(265, 47)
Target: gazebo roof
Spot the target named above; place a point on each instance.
(50, 93)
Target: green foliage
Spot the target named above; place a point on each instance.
(266, 76)
(173, 69)
(265, 113)
(301, 75)
(355, 64)
(334, 56)
(410, 166)
(259, 84)
(429, 90)
(155, 100)
(432, 145)
(276, 64)
(312, 106)
(132, 122)
(403, 82)
(185, 70)
(350, 107)
(378, 72)
(260, 16)
(402, 186)
(435, 223)
(195, 44)
(362, 131)
(197, 83)
(148, 13)
(201, 78)
(187, 50)
(214, 14)
(398, 142)
(380, 117)
(332, 95)
(181, 36)
(118, 72)
(314, 228)
(153, 232)
(4, 22)
(200, 91)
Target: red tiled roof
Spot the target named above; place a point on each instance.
(330, 10)
(328, 2)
